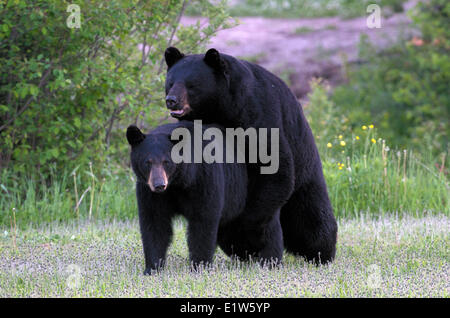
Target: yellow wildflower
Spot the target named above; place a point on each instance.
(357, 137)
(342, 143)
(329, 145)
(370, 126)
(373, 140)
(364, 127)
(340, 137)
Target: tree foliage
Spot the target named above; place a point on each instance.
(67, 93)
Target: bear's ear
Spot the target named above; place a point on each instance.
(134, 135)
(214, 60)
(172, 55)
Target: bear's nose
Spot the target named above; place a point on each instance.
(171, 101)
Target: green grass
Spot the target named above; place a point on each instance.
(303, 30)
(330, 27)
(384, 257)
(67, 196)
(366, 175)
(304, 8)
(256, 58)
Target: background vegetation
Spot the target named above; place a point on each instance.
(404, 89)
(68, 94)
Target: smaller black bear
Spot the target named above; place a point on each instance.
(208, 195)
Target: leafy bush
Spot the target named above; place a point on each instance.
(66, 94)
(404, 90)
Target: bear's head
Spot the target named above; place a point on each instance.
(196, 84)
(150, 158)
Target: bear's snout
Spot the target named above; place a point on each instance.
(172, 102)
(160, 187)
(158, 180)
(177, 100)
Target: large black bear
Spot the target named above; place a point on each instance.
(219, 88)
(209, 195)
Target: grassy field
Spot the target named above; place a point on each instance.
(386, 257)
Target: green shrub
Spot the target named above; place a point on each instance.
(67, 94)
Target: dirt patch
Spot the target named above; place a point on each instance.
(299, 49)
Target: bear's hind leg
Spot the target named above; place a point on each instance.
(309, 226)
(272, 252)
(235, 242)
